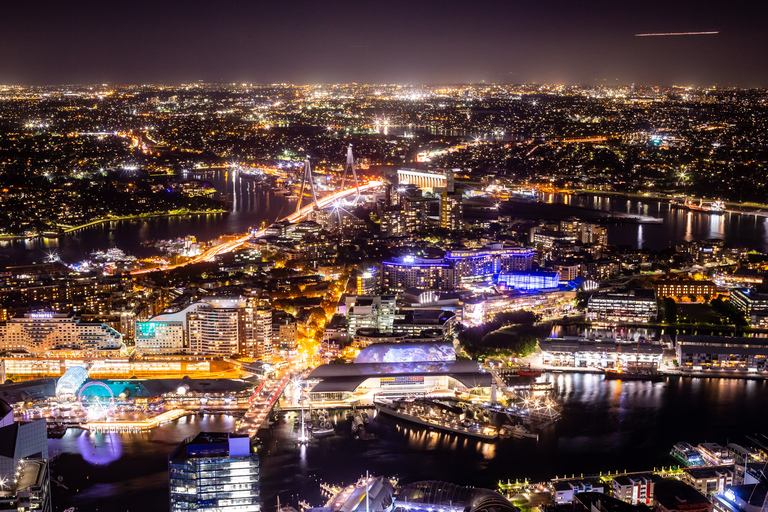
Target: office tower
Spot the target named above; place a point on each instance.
(24, 472)
(215, 471)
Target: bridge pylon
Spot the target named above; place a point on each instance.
(350, 165)
(307, 178)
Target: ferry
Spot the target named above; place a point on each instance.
(687, 454)
(716, 207)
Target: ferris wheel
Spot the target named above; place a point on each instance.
(96, 399)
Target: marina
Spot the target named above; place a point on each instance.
(435, 415)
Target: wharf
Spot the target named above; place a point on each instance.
(134, 426)
(456, 428)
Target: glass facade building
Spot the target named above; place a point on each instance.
(214, 472)
(530, 281)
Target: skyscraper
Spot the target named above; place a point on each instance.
(451, 210)
(24, 476)
(214, 471)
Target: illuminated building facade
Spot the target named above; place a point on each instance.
(577, 352)
(24, 471)
(530, 280)
(720, 353)
(675, 287)
(411, 272)
(415, 213)
(426, 179)
(214, 326)
(219, 328)
(754, 304)
(481, 309)
(284, 334)
(369, 281)
(258, 332)
(43, 333)
(489, 261)
(741, 498)
(214, 471)
(392, 222)
(370, 312)
(397, 369)
(630, 306)
(451, 210)
(634, 488)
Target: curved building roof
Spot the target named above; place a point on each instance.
(406, 353)
(432, 493)
(347, 377)
(71, 381)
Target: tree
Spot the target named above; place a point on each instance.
(670, 310)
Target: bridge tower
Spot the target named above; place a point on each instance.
(307, 178)
(351, 165)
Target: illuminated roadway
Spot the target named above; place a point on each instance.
(211, 253)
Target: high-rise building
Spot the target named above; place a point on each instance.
(24, 471)
(392, 222)
(213, 326)
(415, 213)
(370, 312)
(369, 281)
(412, 272)
(218, 329)
(258, 335)
(490, 260)
(284, 329)
(451, 210)
(214, 471)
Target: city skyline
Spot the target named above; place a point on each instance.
(376, 43)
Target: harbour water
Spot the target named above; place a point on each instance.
(679, 224)
(251, 205)
(606, 426)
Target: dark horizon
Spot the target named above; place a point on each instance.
(380, 43)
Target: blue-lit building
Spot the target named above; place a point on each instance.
(530, 281)
(741, 498)
(214, 471)
(411, 272)
(489, 261)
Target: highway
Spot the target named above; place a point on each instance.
(231, 245)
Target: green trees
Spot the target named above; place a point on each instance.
(514, 332)
(670, 310)
(729, 311)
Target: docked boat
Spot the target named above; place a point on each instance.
(716, 207)
(517, 432)
(323, 429)
(687, 454)
(56, 430)
(643, 374)
(420, 417)
(528, 372)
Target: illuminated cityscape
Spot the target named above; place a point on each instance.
(383, 257)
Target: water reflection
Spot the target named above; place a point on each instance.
(99, 448)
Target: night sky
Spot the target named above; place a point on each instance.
(416, 41)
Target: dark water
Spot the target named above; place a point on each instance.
(116, 472)
(606, 426)
(680, 224)
(250, 206)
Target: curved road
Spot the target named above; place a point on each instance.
(211, 253)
